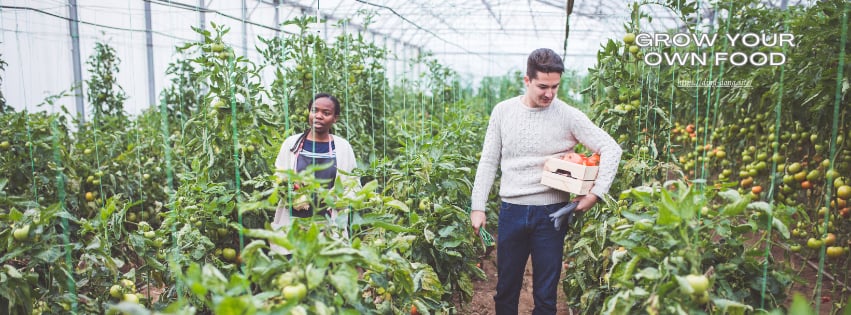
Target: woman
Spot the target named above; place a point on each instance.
(315, 146)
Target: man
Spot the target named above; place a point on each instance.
(522, 133)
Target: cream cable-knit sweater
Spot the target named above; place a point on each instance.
(518, 141)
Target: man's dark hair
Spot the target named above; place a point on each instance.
(543, 60)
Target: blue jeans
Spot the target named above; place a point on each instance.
(525, 230)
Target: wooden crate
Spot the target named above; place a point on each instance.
(565, 183)
(571, 169)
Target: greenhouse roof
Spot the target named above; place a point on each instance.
(475, 38)
(491, 36)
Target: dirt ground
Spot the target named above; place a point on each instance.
(832, 289)
(482, 303)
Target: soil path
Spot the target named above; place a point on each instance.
(484, 290)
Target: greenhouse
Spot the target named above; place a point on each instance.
(425, 157)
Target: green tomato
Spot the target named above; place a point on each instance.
(629, 38)
(633, 49)
(22, 233)
(295, 292)
(698, 283)
(131, 298)
(224, 55)
(127, 283)
(115, 291)
(612, 92)
(702, 298)
(814, 243)
(835, 251)
(286, 279)
(794, 168)
(229, 254)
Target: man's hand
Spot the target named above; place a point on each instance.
(585, 202)
(478, 219)
(563, 214)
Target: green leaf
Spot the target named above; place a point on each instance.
(12, 272)
(137, 241)
(446, 231)
(585, 241)
(370, 187)
(392, 227)
(648, 273)
(15, 215)
(737, 203)
(50, 255)
(212, 275)
(428, 279)
(733, 307)
(760, 206)
(685, 287)
(348, 254)
(398, 205)
(198, 288)
(465, 284)
(782, 228)
(93, 244)
(128, 308)
(314, 275)
(668, 210)
(236, 306)
(345, 281)
(800, 306)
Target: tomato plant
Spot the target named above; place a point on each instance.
(674, 261)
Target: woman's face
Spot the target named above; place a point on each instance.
(322, 115)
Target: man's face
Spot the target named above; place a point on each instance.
(541, 91)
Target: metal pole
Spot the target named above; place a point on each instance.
(244, 28)
(149, 41)
(277, 17)
(326, 30)
(202, 17)
(74, 28)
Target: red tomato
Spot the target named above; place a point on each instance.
(574, 157)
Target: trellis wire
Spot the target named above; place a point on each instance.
(831, 157)
(175, 267)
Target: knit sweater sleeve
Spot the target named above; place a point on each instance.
(597, 140)
(488, 163)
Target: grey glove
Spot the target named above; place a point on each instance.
(565, 213)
